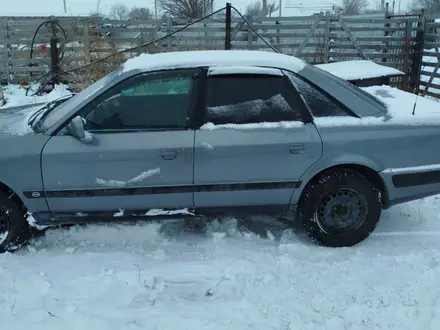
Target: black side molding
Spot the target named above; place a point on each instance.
(416, 179)
(156, 190)
(64, 218)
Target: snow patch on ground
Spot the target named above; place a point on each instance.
(161, 275)
(137, 179)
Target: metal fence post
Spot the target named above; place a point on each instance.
(418, 53)
(228, 27)
(54, 54)
(6, 53)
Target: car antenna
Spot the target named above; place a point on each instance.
(415, 104)
(417, 97)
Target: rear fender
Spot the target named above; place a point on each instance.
(328, 163)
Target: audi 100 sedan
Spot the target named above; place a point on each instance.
(214, 133)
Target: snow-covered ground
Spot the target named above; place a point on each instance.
(15, 95)
(259, 275)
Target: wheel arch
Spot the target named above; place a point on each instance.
(364, 170)
(4, 188)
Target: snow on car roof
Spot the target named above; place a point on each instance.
(184, 59)
(358, 69)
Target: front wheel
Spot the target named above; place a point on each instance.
(341, 208)
(14, 228)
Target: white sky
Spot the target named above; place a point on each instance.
(83, 7)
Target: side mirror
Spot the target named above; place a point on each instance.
(76, 128)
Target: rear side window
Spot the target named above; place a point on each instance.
(245, 99)
(319, 104)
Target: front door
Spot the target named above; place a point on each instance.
(254, 146)
(141, 155)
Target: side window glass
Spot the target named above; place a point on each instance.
(319, 104)
(244, 99)
(151, 102)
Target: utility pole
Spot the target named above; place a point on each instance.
(280, 5)
(155, 9)
(65, 7)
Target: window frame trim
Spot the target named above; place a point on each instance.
(293, 99)
(194, 71)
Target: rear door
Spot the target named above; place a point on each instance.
(255, 142)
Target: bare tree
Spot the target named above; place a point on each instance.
(354, 7)
(430, 6)
(186, 8)
(119, 12)
(97, 12)
(140, 13)
(272, 7)
(257, 9)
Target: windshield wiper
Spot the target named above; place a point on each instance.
(48, 107)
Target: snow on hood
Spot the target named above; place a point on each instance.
(13, 121)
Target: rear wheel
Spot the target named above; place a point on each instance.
(341, 208)
(14, 228)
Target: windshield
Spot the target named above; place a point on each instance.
(63, 109)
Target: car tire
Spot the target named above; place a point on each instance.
(341, 208)
(14, 228)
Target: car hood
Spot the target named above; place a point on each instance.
(15, 120)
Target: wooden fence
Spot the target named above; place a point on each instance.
(430, 66)
(396, 41)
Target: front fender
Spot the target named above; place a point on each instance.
(20, 168)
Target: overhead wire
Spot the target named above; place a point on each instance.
(47, 22)
(255, 31)
(41, 88)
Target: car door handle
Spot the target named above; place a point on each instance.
(169, 154)
(296, 149)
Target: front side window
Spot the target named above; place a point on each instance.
(156, 101)
(245, 99)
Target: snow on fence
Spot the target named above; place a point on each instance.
(319, 38)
